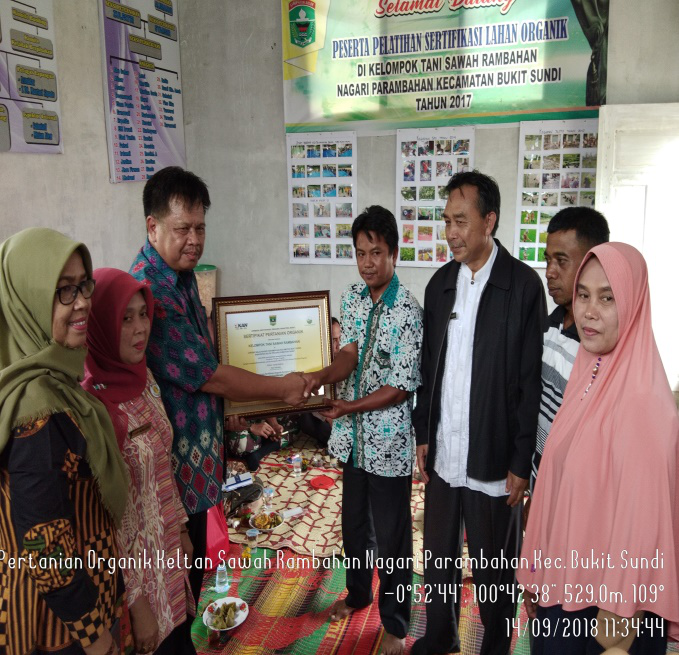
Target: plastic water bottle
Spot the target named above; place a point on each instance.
(222, 581)
(296, 465)
(268, 499)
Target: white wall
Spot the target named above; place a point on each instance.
(233, 109)
(643, 52)
(71, 192)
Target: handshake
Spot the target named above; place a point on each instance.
(298, 387)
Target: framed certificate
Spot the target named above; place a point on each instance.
(274, 335)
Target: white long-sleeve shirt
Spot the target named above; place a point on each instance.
(452, 436)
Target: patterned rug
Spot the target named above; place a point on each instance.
(319, 532)
(290, 592)
(290, 601)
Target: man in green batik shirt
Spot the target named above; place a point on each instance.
(379, 357)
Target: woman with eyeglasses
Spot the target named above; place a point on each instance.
(63, 484)
(154, 523)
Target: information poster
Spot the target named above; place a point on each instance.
(143, 87)
(425, 162)
(375, 65)
(29, 83)
(557, 169)
(322, 184)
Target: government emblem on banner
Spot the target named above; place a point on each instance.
(302, 15)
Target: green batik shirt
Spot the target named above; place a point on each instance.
(389, 338)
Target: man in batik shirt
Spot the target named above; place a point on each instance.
(381, 336)
(181, 354)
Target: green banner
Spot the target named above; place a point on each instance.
(372, 65)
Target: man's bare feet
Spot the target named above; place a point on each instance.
(340, 610)
(392, 645)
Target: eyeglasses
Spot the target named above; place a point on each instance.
(69, 293)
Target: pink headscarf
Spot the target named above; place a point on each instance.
(607, 486)
(106, 377)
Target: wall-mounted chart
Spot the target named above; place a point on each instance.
(425, 161)
(29, 94)
(557, 169)
(322, 185)
(143, 87)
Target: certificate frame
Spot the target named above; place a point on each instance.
(244, 324)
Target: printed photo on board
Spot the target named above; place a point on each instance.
(301, 250)
(427, 193)
(322, 210)
(344, 251)
(300, 210)
(345, 150)
(343, 210)
(550, 199)
(300, 230)
(322, 251)
(552, 162)
(322, 231)
(533, 142)
(343, 230)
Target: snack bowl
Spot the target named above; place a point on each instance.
(212, 609)
(257, 522)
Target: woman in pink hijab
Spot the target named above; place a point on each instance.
(601, 552)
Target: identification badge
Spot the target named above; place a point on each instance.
(140, 430)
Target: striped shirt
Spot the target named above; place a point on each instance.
(558, 355)
(154, 513)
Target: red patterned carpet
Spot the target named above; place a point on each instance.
(290, 603)
(290, 594)
(319, 532)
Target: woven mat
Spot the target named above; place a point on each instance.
(290, 595)
(290, 601)
(319, 532)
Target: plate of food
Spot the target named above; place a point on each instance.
(225, 613)
(266, 521)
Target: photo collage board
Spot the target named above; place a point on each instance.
(557, 169)
(322, 185)
(425, 161)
